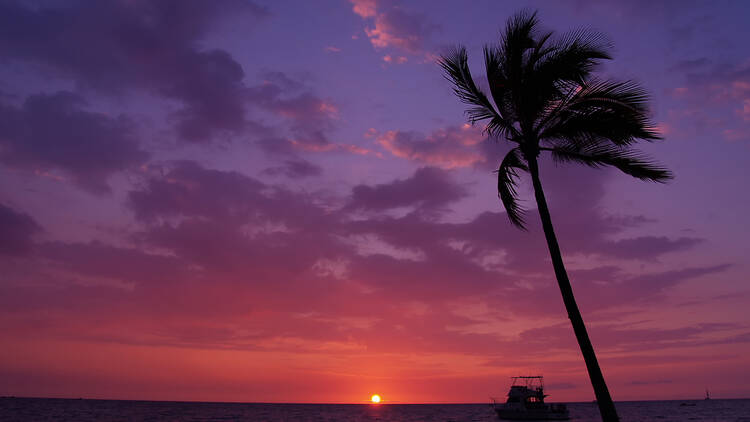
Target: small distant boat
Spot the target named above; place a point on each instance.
(692, 403)
(526, 402)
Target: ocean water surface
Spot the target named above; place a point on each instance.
(32, 409)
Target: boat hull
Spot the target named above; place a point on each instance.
(531, 415)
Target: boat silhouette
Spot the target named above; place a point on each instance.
(525, 401)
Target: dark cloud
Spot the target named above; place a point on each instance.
(641, 10)
(647, 247)
(104, 261)
(627, 337)
(147, 46)
(650, 382)
(295, 169)
(55, 132)
(211, 91)
(257, 255)
(230, 222)
(246, 244)
(304, 121)
(17, 230)
(691, 65)
(579, 223)
(739, 338)
(715, 98)
(575, 195)
(208, 244)
(277, 145)
(611, 286)
(309, 117)
(663, 280)
(188, 189)
(717, 76)
(428, 187)
(562, 386)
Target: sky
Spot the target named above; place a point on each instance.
(280, 201)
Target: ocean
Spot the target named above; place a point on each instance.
(83, 410)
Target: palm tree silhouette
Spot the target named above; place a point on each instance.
(546, 100)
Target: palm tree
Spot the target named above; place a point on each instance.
(545, 99)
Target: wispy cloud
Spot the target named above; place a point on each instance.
(395, 29)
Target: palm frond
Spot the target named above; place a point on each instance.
(597, 154)
(456, 67)
(560, 67)
(518, 39)
(507, 184)
(501, 90)
(541, 49)
(617, 111)
(497, 80)
(627, 95)
(519, 34)
(573, 56)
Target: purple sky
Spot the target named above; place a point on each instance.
(282, 201)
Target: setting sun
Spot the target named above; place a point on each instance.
(375, 398)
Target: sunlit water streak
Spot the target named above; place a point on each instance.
(26, 409)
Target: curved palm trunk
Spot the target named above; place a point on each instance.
(606, 406)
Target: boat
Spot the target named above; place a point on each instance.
(526, 402)
(708, 396)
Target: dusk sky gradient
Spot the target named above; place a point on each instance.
(282, 201)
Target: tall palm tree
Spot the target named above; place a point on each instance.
(545, 99)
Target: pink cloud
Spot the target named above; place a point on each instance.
(334, 147)
(304, 109)
(392, 30)
(310, 119)
(450, 147)
(394, 27)
(364, 8)
(744, 112)
(663, 128)
(725, 88)
(735, 134)
(396, 60)
(680, 91)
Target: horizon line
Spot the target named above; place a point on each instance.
(365, 402)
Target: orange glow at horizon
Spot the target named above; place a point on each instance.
(375, 398)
